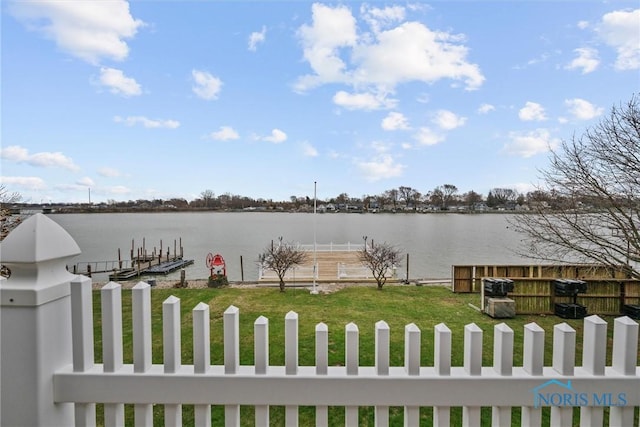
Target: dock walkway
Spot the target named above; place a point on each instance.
(332, 266)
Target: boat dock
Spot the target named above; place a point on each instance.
(142, 262)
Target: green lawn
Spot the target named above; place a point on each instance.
(397, 305)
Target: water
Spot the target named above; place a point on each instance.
(434, 242)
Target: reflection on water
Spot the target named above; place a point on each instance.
(434, 242)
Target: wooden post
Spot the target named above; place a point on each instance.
(241, 270)
(175, 252)
(407, 276)
(119, 260)
(182, 277)
(89, 270)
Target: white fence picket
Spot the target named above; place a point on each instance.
(472, 367)
(201, 356)
(564, 354)
(171, 344)
(352, 362)
(291, 360)
(231, 359)
(503, 365)
(594, 357)
(261, 359)
(141, 322)
(533, 362)
(322, 365)
(112, 345)
(382, 342)
(412, 336)
(442, 365)
(624, 360)
(82, 341)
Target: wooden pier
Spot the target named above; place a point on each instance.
(142, 262)
(333, 266)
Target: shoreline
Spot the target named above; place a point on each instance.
(322, 287)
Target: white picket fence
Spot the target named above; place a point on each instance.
(49, 376)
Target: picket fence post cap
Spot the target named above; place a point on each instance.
(35, 240)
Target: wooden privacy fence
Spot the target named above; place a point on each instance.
(50, 377)
(603, 296)
(467, 278)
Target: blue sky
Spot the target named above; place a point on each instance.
(161, 99)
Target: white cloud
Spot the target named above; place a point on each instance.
(42, 159)
(362, 101)
(583, 24)
(277, 136)
(309, 150)
(226, 133)
(118, 83)
(586, 60)
(256, 38)
(24, 182)
(116, 189)
(206, 86)
(89, 30)
(528, 144)
(86, 182)
(147, 123)
(382, 18)
(582, 110)
(532, 111)
(485, 108)
(395, 121)
(109, 172)
(448, 120)
(619, 30)
(381, 167)
(426, 136)
(383, 59)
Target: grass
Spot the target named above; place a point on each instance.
(397, 305)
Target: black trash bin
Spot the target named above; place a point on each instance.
(569, 287)
(495, 287)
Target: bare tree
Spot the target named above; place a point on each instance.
(379, 258)
(281, 257)
(207, 198)
(597, 179)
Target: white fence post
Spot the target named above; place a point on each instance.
(35, 322)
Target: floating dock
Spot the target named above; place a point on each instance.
(142, 262)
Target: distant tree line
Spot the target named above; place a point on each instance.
(444, 197)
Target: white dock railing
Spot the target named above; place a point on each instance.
(49, 375)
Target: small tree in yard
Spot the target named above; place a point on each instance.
(379, 258)
(281, 257)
